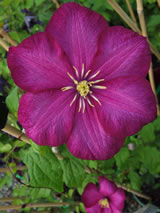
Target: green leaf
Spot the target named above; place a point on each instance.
(39, 2)
(122, 158)
(98, 4)
(73, 172)
(12, 101)
(28, 3)
(82, 208)
(15, 36)
(44, 171)
(147, 133)
(156, 124)
(106, 165)
(42, 150)
(88, 179)
(5, 148)
(39, 193)
(135, 180)
(6, 2)
(150, 157)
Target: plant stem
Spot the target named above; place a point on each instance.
(144, 33)
(3, 44)
(5, 35)
(130, 23)
(131, 11)
(141, 17)
(124, 15)
(19, 168)
(16, 133)
(35, 205)
(8, 199)
(56, 3)
(133, 191)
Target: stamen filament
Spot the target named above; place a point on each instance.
(80, 105)
(93, 76)
(76, 82)
(73, 100)
(95, 82)
(84, 105)
(77, 74)
(87, 73)
(96, 99)
(99, 87)
(66, 88)
(90, 102)
(82, 73)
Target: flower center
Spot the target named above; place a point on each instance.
(83, 88)
(104, 203)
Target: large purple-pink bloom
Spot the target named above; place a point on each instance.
(105, 199)
(85, 83)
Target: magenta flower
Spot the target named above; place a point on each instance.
(107, 199)
(85, 83)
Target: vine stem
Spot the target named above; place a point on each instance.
(4, 44)
(144, 33)
(131, 11)
(16, 133)
(5, 35)
(35, 205)
(131, 24)
(56, 3)
(19, 168)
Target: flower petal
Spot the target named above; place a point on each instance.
(89, 140)
(78, 34)
(118, 198)
(39, 64)
(122, 52)
(47, 116)
(94, 209)
(128, 104)
(107, 187)
(91, 195)
(114, 209)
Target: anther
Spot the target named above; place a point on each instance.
(80, 105)
(77, 74)
(99, 87)
(82, 73)
(76, 82)
(95, 82)
(66, 88)
(87, 73)
(90, 102)
(104, 203)
(93, 76)
(96, 99)
(84, 105)
(73, 100)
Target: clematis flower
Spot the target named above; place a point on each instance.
(107, 199)
(85, 83)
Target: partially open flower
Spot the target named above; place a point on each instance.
(85, 83)
(105, 199)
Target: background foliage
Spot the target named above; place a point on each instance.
(136, 166)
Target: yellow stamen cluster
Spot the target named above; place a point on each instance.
(83, 88)
(104, 203)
